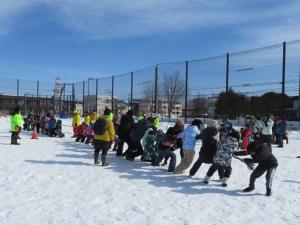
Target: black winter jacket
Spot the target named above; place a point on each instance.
(209, 144)
(139, 130)
(126, 126)
(262, 155)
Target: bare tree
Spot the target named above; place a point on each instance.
(173, 90)
(200, 106)
(149, 95)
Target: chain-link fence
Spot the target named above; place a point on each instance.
(257, 82)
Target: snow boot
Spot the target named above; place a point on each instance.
(248, 189)
(224, 181)
(103, 160)
(206, 179)
(269, 192)
(96, 155)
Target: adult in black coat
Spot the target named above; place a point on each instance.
(210, 138)
(267, 162)
(136, 136)
(124, 131)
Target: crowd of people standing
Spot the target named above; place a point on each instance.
(220, 143)
(144, 139)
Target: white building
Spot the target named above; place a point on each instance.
(104, 101)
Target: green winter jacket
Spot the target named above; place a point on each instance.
(16, 120)
(156, 122)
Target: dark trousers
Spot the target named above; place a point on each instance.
(103, 146)
(117, 140)
(280, 140)
(14, 137)
(137, 149)
(181, 155)
(198, 164)
(224, 170)
(260, 170)
(80, 138)
(52, 132)
(266, 139)
(88, 139)
(121, 144)
(169, 154)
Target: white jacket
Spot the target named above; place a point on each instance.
(267, 127)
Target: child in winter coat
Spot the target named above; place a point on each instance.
(148, 143)
(246, 134)
(267, 162)
(165, 145)
(190, 137)
(281, 129)
(52, 127)
(89, 133)
(58, 129)
(81, 133)
(222, 159)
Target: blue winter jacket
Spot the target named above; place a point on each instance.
(281, 128)
(190, 138)
(52, 124)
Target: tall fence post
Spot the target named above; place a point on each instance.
(155, 89)
(283, 76)
(131, 90)
(186, 90)
(88, 96)
(97, 81)
(83, 100)
(112, 93)
(73, 99)
(37, 97)
(18, 90)
(227, 72)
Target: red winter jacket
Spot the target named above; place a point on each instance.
(246, 133)
(81, 129)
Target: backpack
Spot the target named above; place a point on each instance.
(100, 126)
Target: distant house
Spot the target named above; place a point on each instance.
(145, 106)
(104, 101)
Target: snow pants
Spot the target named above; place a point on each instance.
(224, 171)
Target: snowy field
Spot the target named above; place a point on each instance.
(54, 181)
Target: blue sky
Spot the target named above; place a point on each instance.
(40, 39)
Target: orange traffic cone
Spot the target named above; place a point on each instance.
(34, 134)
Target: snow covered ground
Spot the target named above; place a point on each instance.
(53, 181)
